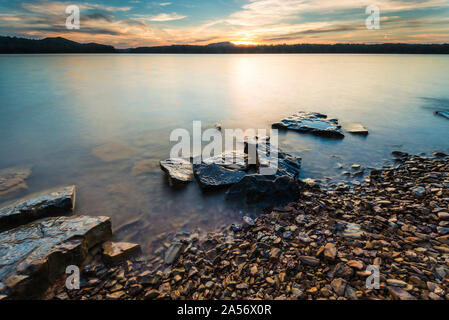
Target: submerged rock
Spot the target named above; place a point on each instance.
(114, 252)
(13, 180)
(54, 203)
(311, 122)
(442, 113)
(213, 176)
(36, 254)
(179, 170)
(356, 128)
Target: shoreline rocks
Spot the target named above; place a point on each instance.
(311, 122)
(442, 113)
(179, 171)
(49, 203)
(356, 128)
(318, 247)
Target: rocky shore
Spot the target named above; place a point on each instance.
(322, 246)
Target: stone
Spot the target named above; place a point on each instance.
(339, 286)
(179, 171)
(356, 128)
(356, 264)
(330, 251)
(49, 203)
(352, 231)
(173, 252)
(310, 261)
(232, 160)
(400, 155)
(213, 176)
(115, 252)
(311, 122)
(443, 215)
(13, 180)
(419, 191)
(115, 295)
(397, 283)
(443, 113)
(36, 254)
(263, 191)
(400, 294)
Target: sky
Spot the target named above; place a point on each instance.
(132, 23)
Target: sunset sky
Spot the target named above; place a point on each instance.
(131, 23)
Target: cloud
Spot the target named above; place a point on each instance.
(162, 17)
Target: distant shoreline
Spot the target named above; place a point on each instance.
(13, 45)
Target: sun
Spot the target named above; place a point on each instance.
(244, 43)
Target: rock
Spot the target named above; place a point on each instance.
(173, 252)
(339, 286)
(263, 191)
(400, 294)
(397, 283)
(36, 254)
(399, 155)
(248, 221)
(115, 252)
(311, 122)
(213, 176)
(443, 215)
(350, 293)
(356, 264)
(352, 231)
(13, 180)
(231, 160)
(443, 113)
(115, 295)
(50, 203)
(179, 171)
(304, 237)
(419, 191)
(330, 251)
(357, 128)
(310, 261)
(440, 154)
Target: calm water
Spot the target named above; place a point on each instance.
(94, 120)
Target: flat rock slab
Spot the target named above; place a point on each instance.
(311, 122)
(53, 203)
(13, 180)
(179, 171)
(214, 176)
(36, 254)
(115, 252)
(356, 128)
(443, 113)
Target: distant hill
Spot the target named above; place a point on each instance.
(61, 45)
(50, 45)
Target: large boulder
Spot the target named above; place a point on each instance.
(214, 176)
(50, 203)
(261, 190)
(311, 122)
(179, 171)
(37, 254)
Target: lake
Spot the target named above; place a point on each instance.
(102, 122)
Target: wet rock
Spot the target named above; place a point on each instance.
(443, 113)
(419, 191)
(232, 160)
(264, 191)
(213, 176)
(179, 171)
(173, 252)
(352, 231)
(310, 261)
(399, 155)
(339, 286)
(13, 180)
(356, 128)
(36, 254)
(115, 252)
(50, 203)
(311, 122)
